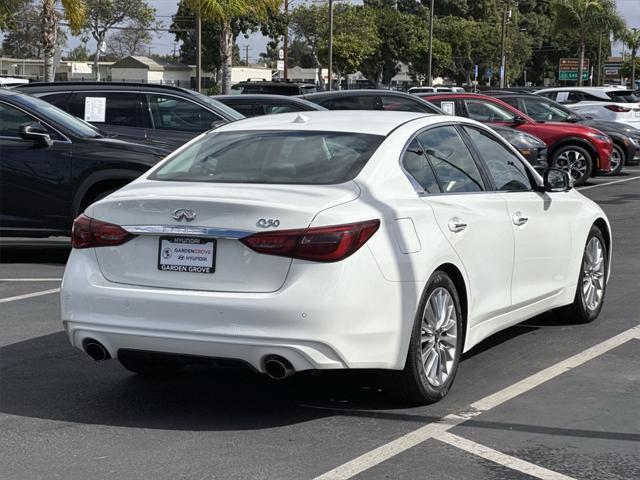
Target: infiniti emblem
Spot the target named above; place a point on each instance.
(183, 214)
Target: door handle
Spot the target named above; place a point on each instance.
(519, 219)
(456, 225)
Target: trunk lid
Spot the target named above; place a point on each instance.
(227, 211)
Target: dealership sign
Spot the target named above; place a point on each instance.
(568, 69)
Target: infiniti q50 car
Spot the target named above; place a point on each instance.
(332, 240)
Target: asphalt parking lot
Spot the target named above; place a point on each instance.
(544, 399)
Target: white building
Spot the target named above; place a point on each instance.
(147, 70)
(67, 70)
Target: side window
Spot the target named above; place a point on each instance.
(484, 111)
(415, 162)
(452, 162)
(245, 109)
(542, 111)
(508, 172)
(399, 104)
(120, 108)
(174, 113)
(281, 108)
(365, 102)
(11, 119)
(511, 101)
(60, 100)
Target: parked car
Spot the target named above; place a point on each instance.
(169, 115)
(578, 149)
(272, 88)
(264, 104)
(52, 165)
(339, 240)
(435, 89)
(371, 100)
(626, 139)
(532, 148)
(602, 103)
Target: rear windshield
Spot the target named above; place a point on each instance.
(624, 96)
(272, 157)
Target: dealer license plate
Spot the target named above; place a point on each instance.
(187, 254)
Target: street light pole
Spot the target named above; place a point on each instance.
(198, 50)
(503, 59)
(430, 61)
(330, 43)
(285, 47)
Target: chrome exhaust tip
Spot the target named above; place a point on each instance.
(277, 367)
(96, 350)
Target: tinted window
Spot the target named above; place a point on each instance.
(416, 163)
(245, 109)
(60, 100)
(174, 113)
(121, 108)
(454, 166)
(399, 104)
(624, 96)
(484, 111)
(11, 119)
(542, 111)
(281, 108)
(362, 102)
(511, 101)
(508, 172)
(289, 157)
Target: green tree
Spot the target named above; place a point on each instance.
(133, 39)
(74, 11)
(300, 54)
(80, 54)
(631, 38)
(226, 12)
(22, 37)
(580, 18)
(8, 9)
(103, 15)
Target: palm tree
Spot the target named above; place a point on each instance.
(225, 12)
(582, 17)
(74, 12)
(631, 38)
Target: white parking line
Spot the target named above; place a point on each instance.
(29, 295)
(30, 279)
(500, 458)
(580, 189)
(411, 439)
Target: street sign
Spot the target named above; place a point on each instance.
(501, 71)
(568, 69)
(280, 65)
(475, 72)
(489, 73)
(281, 54)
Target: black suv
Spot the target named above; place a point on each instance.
(371, 100)
(273, 88)
(165, 114)
(53, 165)
(252, 105)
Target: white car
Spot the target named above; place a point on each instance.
(332, 240)
(416, 90)
(601, 103)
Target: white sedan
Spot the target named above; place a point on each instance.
(332, 240)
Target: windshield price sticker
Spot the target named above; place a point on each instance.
(95, 109)
(187, 254)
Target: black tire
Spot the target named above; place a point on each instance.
(582, 170)
(579, 311)
(412, 384)
(622, 160)
(149, 364)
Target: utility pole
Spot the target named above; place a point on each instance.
(503, 54)
(246, 55)
(330, 43)
(430, 61)
(285, 47)
(634, 50)
(598, 83)
(198, 50)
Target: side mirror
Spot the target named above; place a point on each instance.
(572, 118)
(556, 180)
(518, 120)
(35, 132)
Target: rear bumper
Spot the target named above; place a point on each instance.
(330, 318)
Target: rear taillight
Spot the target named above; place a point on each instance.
(319, 244)
(88, 233)
(617, 108)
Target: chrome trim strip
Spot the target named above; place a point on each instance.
(188, 231)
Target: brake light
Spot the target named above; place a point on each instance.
(319, 244)
(617, 108)
(88, 232)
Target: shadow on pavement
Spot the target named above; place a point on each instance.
(33, 253)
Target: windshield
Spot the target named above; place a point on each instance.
(284, 157)
(230, 112)
(624, 96)
(74, 125)
(542, 111)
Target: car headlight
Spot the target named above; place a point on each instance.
(600, 136)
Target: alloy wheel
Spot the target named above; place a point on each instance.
(615, 159)
(574, 162)
(439, 336)
(593, 274)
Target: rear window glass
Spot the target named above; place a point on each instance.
(273, 157)
(624, 96)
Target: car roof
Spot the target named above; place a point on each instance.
(354, 121)
(360, 92)
(64, 86)
(584, 89)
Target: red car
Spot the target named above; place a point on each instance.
(581, 150)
